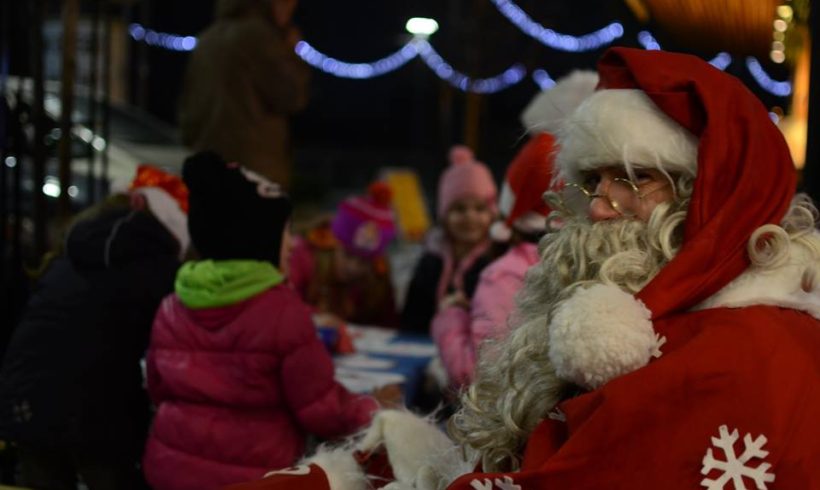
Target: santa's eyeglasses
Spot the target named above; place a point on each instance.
(622, 194)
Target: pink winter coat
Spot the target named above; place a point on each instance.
(458, 332)
(239, 388)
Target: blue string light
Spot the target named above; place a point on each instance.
(151, 37)
(723, 60)
(392, 62)
(443, 70)
(555, 40)
(355, 70)
(543, 79)
(782, 89)
(648, 41)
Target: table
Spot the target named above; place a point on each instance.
(385, 356)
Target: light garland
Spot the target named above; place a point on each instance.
(723, 60)
(543, 79)
(782, 89)
(443, 70)
(422, 48)
(343, 69)
(151, 37)
(648, 41)
(355, 70)
(416, 47)
(555, 40)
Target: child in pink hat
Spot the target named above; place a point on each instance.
(339, 267)
(458, 249)
(459, 331)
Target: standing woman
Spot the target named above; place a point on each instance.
(242, 83)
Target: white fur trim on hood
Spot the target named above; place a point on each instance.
(621, 126)
(546, 111)
(795, 284)
(600, 333)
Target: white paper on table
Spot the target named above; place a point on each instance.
(407, 349)
(363, 361)
(366, 381)
(380, 341)
(365, 336)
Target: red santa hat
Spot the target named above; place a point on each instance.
(650, 105)
(166, 195)
(528, 177)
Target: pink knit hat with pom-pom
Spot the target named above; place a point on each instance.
(465, 177)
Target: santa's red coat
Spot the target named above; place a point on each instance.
(754, 370)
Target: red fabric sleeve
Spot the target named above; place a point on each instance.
(321, 405)
(301, 266)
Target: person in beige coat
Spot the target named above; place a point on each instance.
(242, 83)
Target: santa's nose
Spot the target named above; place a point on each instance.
(601, 209)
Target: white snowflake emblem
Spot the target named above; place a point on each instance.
(506, 484)
(734, 467)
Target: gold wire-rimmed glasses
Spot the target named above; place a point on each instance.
(621, 193)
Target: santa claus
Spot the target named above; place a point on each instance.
(669, 336)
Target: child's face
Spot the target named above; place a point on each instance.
(285, 250)
(468, 220)
(350, 267)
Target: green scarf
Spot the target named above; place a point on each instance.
(211, 284)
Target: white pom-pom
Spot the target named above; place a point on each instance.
(500, 232)
(600, 333)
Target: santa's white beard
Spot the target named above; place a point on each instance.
(515, 385)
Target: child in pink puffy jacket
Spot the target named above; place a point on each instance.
(459, 329)
(458, 250)
(235, 367)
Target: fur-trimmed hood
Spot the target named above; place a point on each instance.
(600, 333)
(794, 284)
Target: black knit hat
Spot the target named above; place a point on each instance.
(234, 213)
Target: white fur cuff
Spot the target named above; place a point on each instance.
(600, 333)
(341, 469)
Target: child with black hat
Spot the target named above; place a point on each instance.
(235, 366)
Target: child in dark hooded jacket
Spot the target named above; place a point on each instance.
(71, 390)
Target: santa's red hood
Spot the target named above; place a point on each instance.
(745, 177)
